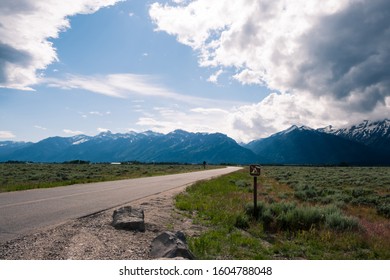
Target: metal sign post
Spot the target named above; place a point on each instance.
(255, 170)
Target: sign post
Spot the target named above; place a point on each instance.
(255, 170)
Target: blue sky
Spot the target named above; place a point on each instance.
(243, 68)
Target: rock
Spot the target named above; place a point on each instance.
(129, 218)
(171, 245)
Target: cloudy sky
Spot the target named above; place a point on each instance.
(246, 68)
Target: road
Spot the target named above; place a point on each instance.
(23, 212)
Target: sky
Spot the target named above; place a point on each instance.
(245, 68)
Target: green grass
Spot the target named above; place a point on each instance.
(333, 218)
(14, 177)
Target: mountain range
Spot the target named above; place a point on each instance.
(177, 146)
(367, 143)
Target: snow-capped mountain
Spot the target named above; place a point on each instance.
(364, 131)
(375, 134)
(9, 147)
(291, 129)
(304, 145)
(177, 146)
(367, 143)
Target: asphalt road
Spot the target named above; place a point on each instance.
(25, 211)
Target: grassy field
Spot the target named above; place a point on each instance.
(303, 213)
(15, 177)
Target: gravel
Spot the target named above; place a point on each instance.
(94, 238)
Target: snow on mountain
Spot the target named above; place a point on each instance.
(79, 139)
(177, 146)
(366, 129)
(370, 133)
(364, 143)
(287, 131)
(303, 145)
(293, 128)
(328, 129)
(375, 134)
(78, 142)
(13, 144)
(8, 147)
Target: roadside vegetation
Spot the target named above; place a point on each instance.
(23, 176)
(303, 213)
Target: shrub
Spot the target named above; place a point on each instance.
(384, 209)
(242, 183)
(290, 217)
(267, 219)
(337, 221)
(242, 221)
(260, 209)
(366, 200)
(306, 193)
(358, 192)
(302, 218)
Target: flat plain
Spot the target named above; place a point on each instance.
(303, 213)
(22, 176)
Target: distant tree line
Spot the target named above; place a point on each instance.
(77, 161)
(17, 162)
(135, 162)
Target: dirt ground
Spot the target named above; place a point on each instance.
(93, 237)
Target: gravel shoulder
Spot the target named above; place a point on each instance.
(93, 237)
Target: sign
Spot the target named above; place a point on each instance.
(254, 170)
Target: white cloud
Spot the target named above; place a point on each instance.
(157, 125)
(279, 111)
(209, 111)
(179, 1)
(165, 120)
(328, 59)
(214, 78)
(6, 135)
(26, 26)
(248, 77)
(100, 114)
(40, 127)
(72, 132)
(99, 129)
(114, 85)
(250, 35)
(96, 113)
(122, 85)
(253, 121)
